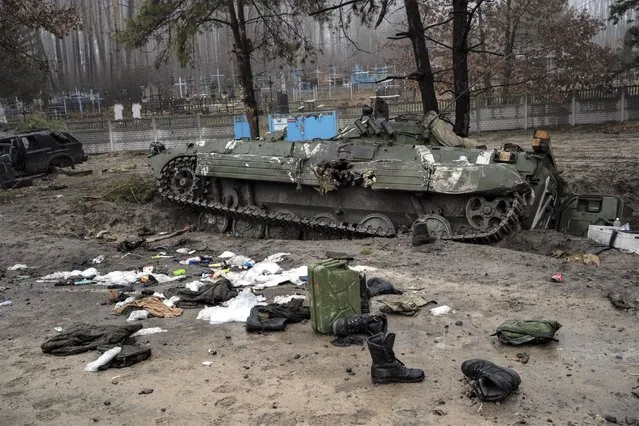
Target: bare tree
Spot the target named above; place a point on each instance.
(272, 27)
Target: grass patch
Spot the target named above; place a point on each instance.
(133, 189)
(366, 250)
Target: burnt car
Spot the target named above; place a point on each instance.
(26, 156)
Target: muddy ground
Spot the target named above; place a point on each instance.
(297, 376)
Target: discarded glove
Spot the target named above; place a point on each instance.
(490, 382)
(519, 332)
(377, 286)
(86, 337)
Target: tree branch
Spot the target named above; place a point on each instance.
(438, 42)
(217, 20)
(438, 24)
(412, 76)
(472, 49)
(337, 6)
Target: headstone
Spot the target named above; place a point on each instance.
(282, 103)
(136, 109)
(117, 111)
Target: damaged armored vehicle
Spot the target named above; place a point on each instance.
(27, 156)
(378, 177)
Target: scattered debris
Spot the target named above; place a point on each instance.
(557, 278)
(194, 296)
(87, 337)
(377, 286)
(406, 306)
(185, 250)
(275, 317)
(17, 267)
(98, 259)
(338, 255)
(620, 301)
(105, 358)
(519, 332)
(153, 305)
(148, 331)
(207, 363)
(6, 303)
(521, 357)
(585, 258)
(441, 310)
(363, 268)
(237, 309)
(283, 300)
(105, 235)
(138, 315)
(145, 391)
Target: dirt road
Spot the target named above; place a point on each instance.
(297, 376)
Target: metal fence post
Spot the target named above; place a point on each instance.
(623, 104)
(155, 130)
(199, 126)
(573, 110)
(525, 112)
(111, 142)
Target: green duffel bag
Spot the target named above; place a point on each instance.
(519, 332)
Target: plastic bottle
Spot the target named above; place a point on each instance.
(616, 223)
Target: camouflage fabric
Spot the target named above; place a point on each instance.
(407, 306)
(442, 134)
(519, 332)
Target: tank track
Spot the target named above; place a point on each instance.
(509, 225)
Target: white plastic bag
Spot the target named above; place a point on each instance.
(236, 309)
(148, 331)
(138, 315)
(103, 359)
(441, 310)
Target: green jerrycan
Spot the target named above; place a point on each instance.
(335, 292)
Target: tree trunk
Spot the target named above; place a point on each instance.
(426, 80)
(242, 50)
(460, 67)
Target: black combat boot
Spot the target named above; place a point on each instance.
(490, 382)
(386, 368)
(360, 324)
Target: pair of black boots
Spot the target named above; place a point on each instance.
(489, 382)
(386, 368)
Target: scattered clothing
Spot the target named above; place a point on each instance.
(377, 286)
(274, 317)
(152, 305)
(515, 332)
(407, 306)
(235, 310)
(490, 382)
(86, 337)
(128, 355)
(208, 294)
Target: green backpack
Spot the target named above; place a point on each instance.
(519, 332)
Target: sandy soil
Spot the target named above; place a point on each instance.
(297, 376)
